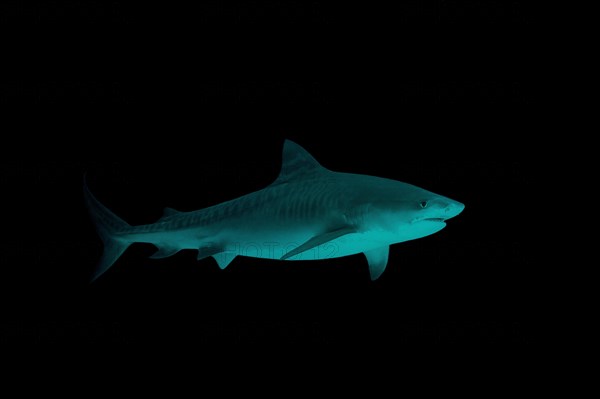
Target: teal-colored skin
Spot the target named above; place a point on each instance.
(308, 213)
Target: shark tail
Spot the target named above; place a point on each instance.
(110, 228)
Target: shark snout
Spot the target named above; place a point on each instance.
(452, 209)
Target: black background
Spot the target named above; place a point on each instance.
(188, 106)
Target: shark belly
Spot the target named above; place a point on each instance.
(265, 243)
(275, 246)
(349, 244)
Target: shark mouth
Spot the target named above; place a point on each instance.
(441, 220)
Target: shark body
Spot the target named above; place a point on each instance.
(307, 213)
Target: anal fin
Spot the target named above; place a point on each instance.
(224, 259)
(209, 250)
(164, 252)
(219, 254)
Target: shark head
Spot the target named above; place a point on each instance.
(406, 211)
(429, 208)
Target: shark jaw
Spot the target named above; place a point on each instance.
(434, 220)
(315, 212)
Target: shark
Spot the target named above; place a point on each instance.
(308, 213)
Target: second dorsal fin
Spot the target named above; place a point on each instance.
(168, 212)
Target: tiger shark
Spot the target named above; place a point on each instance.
(307, 213)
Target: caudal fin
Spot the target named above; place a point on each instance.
(110, 228)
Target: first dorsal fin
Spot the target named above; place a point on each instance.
(296, 162)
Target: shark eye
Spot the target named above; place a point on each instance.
(423, 204)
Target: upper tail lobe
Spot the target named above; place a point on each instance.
(110, 228)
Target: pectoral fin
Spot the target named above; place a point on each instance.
(377, 259)
(319, 240)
